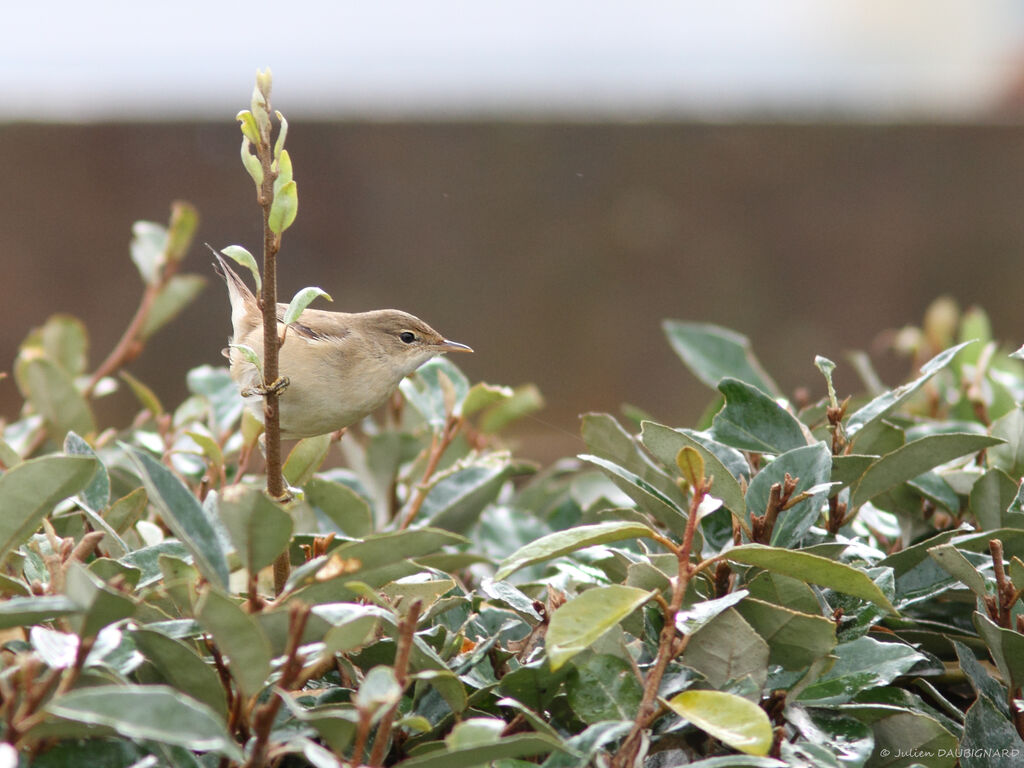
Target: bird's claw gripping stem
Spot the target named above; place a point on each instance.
(276, 388)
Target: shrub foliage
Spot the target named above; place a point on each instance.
(831, 583)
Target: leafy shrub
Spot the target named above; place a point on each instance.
(831, 584)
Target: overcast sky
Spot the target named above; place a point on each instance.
(636, 59)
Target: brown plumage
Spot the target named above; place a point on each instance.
(340, 366)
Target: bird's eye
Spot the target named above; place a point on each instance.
(407, 337)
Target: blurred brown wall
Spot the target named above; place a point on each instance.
(554, 250)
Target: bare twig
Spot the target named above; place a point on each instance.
(438, 446)
(406, 634)
(265, 714)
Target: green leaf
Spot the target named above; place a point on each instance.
(753, 421)
(182, 668)
(26, 611)
(101, 605)
(305, 459)
(183, 514)
(918, 736)
(1010, 455)
(251, 162)
(665, 443)
(431, 389)
(30, 490)
(982, 683)
(456, 501)
(990, 740)
(525, 399)
(147, 397)
(1006, 648)
(96, 495)
(861, 663)
(713, 353)
(606, 438)
(181, 229)
(248, 126)
(259, 528)
(349, 511)
(813, 569)
(603, 687)
(239, 637)
(991, 497)
(52, 393)
(377, 693)
(811, 465)
(727, 648)
(741, 724)
(153, 712)
(64, 340)
(301, 300)
(913, 459)
(579, 623)
(691, 465)
(864, 425)
(242, 257)
(563, 542)
(795, 640)
(959, 567)
(662, 507)
(509, 747)
(176, 294)
(692, 618)
(148, 249)
(284, 208)
(282, 134)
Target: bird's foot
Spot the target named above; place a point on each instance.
(263, 390)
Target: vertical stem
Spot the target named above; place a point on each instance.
(271, 343)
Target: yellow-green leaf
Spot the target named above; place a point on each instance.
(741, 724)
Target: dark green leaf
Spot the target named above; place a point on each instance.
(1009, 456)
(517, 745)
(795, 640)
(259, 528)
(812, 466)
(862, 663)
(865, 424)
(959, 567)
(26, 611)
(182, 668)
(563, 542)
(176, 294)
(991, 496)
(153, 712)
(33, 488)
(664, 509)
(183, 514)
(96, 495)
(990, 740)
(456, 500)
(239, 638)
(52, 393)
(713, 353)
(1006, 648)
(727, 648)
(914, 458)
(665, 443)
(602, 687)
(753, 421)
(349, 511)
(813, 569)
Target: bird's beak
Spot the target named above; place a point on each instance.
(453, 346)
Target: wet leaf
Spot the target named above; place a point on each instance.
(753, 421)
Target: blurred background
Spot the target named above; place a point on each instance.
(545, 181)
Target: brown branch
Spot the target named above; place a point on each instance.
(438, 445)
(265, 714)
(406, 634)
(668, 647)
(131, 343)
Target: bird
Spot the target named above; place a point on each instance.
(336, 367)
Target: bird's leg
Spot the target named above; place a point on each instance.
(263, 390)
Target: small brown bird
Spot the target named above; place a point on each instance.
(339, 366)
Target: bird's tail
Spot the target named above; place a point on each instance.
(245, 311)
